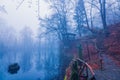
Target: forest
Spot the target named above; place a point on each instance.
(59, 39)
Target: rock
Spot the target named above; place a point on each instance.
(13, 68)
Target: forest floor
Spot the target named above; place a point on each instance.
(110, 71)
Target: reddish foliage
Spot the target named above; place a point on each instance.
(94, 66)
(113, 42)
(112, 45)
(94, 62)
(114, 59)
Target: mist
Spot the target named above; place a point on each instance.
(42, 37)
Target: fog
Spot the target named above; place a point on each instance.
(37, 34)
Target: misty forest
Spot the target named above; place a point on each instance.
(59, 39)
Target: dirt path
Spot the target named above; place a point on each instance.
(111, 70)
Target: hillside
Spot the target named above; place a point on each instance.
(113, 42)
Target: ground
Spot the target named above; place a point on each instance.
(110, 72)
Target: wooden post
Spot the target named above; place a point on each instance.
(87, 45)
(80, 54)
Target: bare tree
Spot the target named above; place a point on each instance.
(103, 14)
(26, 48)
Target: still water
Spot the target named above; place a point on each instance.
(34, 66)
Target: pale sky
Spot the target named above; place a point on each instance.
(25, 15)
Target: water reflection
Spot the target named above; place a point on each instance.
(35, 65)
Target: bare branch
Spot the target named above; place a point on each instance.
(20, 4)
